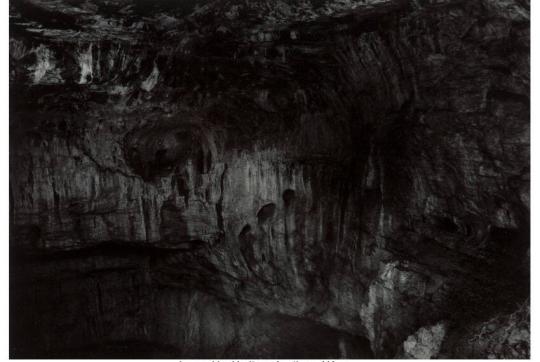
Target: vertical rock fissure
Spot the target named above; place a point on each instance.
(219, 204)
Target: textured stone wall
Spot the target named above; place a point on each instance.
(364, 165)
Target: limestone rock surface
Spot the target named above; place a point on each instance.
(355, 168)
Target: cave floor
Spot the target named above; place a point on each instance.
(267, 335)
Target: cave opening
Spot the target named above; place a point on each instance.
(259, 180)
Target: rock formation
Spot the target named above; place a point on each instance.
(269, 178)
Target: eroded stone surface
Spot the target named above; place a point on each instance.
(360, 164)
(425, 343)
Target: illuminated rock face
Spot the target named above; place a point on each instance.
(184, 178)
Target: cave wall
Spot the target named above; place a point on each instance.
(363, 166)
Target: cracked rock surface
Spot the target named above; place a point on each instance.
(269, 178)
